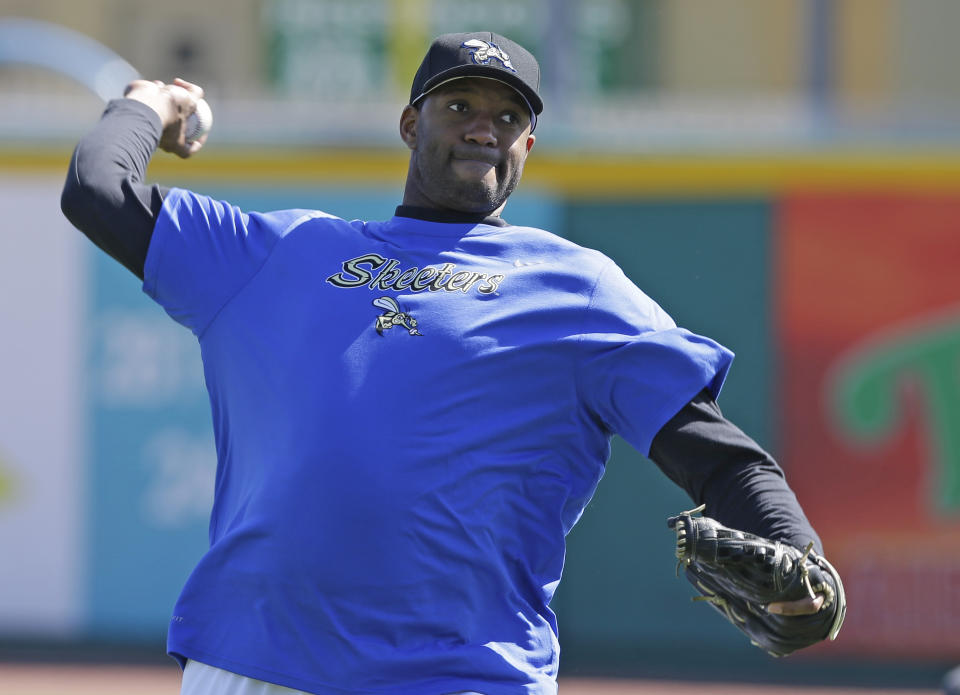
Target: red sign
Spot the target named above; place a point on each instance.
(869, 310)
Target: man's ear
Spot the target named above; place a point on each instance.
(530, 140)
(408, 126)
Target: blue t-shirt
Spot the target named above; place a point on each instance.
(410, 416)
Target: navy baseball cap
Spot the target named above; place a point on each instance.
(480, 54)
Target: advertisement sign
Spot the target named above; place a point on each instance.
(42, 541)
(151, 455)
(869, 311)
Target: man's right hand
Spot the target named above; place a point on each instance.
(173, 103)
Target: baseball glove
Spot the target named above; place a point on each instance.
(739, 574)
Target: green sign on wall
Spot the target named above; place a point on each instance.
(364, 49)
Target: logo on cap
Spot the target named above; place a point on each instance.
(483, 52)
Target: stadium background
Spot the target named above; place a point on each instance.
(783, 176)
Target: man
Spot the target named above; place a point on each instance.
(410, 415)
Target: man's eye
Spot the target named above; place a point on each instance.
(510, 118)
(458, 106)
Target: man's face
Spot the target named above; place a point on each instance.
(469, 141)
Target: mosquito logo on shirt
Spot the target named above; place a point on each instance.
(392, 316)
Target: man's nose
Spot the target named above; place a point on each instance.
(480, 130)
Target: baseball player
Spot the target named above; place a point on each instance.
(410, 414)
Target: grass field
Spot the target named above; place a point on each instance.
(47, 679)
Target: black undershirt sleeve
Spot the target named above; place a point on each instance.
(104, 195)
(720, 466)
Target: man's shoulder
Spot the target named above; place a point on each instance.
(307, 221)
(558, 246)
(283, 221)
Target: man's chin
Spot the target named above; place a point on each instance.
(475, 196)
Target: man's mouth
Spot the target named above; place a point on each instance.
(488, 158)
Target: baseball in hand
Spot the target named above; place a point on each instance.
(199, 122)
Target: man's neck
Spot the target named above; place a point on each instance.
(449, 216)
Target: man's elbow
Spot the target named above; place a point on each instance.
(73, 199)
(79, 203)
(70, 203)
